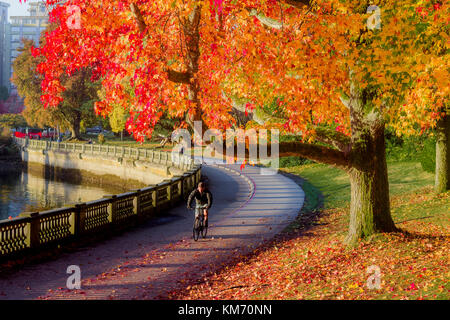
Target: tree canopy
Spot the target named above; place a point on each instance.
(78, 98)
(334, 71)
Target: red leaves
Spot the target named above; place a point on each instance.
(413, 286)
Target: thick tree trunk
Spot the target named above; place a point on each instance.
(369, 207)
(442, 174)
(191, 30)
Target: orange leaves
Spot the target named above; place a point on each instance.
(306, 61)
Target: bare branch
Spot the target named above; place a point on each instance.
(272, 23)
(179, 77)
(298, 3)
(138, 16)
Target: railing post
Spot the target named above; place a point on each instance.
(169, 190)
(111, 208)
(155, 200)
(77, 221)
(175, 181)
(137, 205)
(185, 185)
(32, 240)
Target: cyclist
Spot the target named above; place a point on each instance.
(203, 198)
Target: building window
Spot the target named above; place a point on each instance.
(29, 30)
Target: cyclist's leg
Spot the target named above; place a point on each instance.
(197, 215)
(205, 212)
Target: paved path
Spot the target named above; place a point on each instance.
(151, 260)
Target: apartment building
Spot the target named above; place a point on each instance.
(26, 27)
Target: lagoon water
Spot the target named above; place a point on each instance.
(21, 191)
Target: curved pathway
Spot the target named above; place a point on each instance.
(159, 256)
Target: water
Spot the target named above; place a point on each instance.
(21, 191)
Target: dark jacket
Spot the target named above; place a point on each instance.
(201, 199)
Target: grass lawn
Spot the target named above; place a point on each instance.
(310, 261)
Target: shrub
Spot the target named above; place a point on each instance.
(101, 138)
(420, 148)
(427, 156)
(5, 132)
(287, 162)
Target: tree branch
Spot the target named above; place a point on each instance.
(314, 152)
(345, 101)
(298, 3)
(272, 23)
(179, 77)
(334, 138)
(138, 16)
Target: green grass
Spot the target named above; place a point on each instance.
(127, 142)
(334, 183)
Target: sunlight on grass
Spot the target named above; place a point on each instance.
(335, 185)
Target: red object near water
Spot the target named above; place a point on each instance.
(32, 133)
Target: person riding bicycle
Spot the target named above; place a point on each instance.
(203, 199)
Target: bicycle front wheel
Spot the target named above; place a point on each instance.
(196, 230)
(204, 229)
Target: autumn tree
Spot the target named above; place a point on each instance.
(157, 47)
(342, 81)
(12, 120)
(335, 78)
(431, 89)
(117, 119)
(79, 96)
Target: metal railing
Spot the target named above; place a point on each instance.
(169, 159)
(38, 229)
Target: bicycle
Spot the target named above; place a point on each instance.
(199, 223)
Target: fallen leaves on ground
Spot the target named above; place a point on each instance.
(315, 264)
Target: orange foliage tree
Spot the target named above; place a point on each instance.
(340, 75)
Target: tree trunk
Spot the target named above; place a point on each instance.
(442, 174)
(75, 126)
(191, 30)
(369, 207)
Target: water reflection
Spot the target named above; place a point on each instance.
(22, 191)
